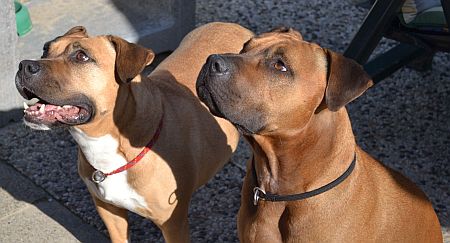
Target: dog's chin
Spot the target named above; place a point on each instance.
(244, 130)
(212, 105)
(206, 97)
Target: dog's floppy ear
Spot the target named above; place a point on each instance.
(79, 31)
(131, 59)
(346, 80)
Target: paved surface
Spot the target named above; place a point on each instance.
(403, 121)
(29, 214)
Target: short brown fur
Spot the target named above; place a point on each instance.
(193, 145)
(302, 139)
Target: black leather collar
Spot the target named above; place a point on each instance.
(260, 194)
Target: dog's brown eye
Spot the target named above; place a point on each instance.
(81, 56)
(279, 66)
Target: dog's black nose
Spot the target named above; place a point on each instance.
(29, 67)
(217, 65)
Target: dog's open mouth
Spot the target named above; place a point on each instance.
(47, 114)
(42, 114)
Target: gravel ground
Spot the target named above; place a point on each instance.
(403, 121)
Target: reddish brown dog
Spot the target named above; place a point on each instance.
(93, 87)
(287, 97)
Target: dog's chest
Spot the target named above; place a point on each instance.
(102, 154)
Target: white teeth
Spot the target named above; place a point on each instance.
(33, 101)
(67, 106)
(42, 109)
(25, 106)
(59, 108)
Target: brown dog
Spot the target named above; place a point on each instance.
(93, 86)
(308, 178)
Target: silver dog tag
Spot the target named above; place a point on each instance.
(98, 176)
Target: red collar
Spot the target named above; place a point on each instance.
(99, 176)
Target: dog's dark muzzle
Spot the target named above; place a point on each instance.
(217, 88)
(215, 72)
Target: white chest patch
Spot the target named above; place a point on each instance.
(101, 153)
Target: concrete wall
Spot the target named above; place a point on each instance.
(9, 97)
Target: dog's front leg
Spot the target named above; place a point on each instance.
(115, 219)
(176, 229)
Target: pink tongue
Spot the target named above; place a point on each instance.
(66, 113)
(51, 107)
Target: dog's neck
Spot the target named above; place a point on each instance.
(133, 120)
(290, 164)
(139, 112)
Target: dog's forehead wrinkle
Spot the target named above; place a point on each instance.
(76, 44)
(82, 45)
(281, 50)
(57, 48)
(269, 51)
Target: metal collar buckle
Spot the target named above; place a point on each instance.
(256, 195)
